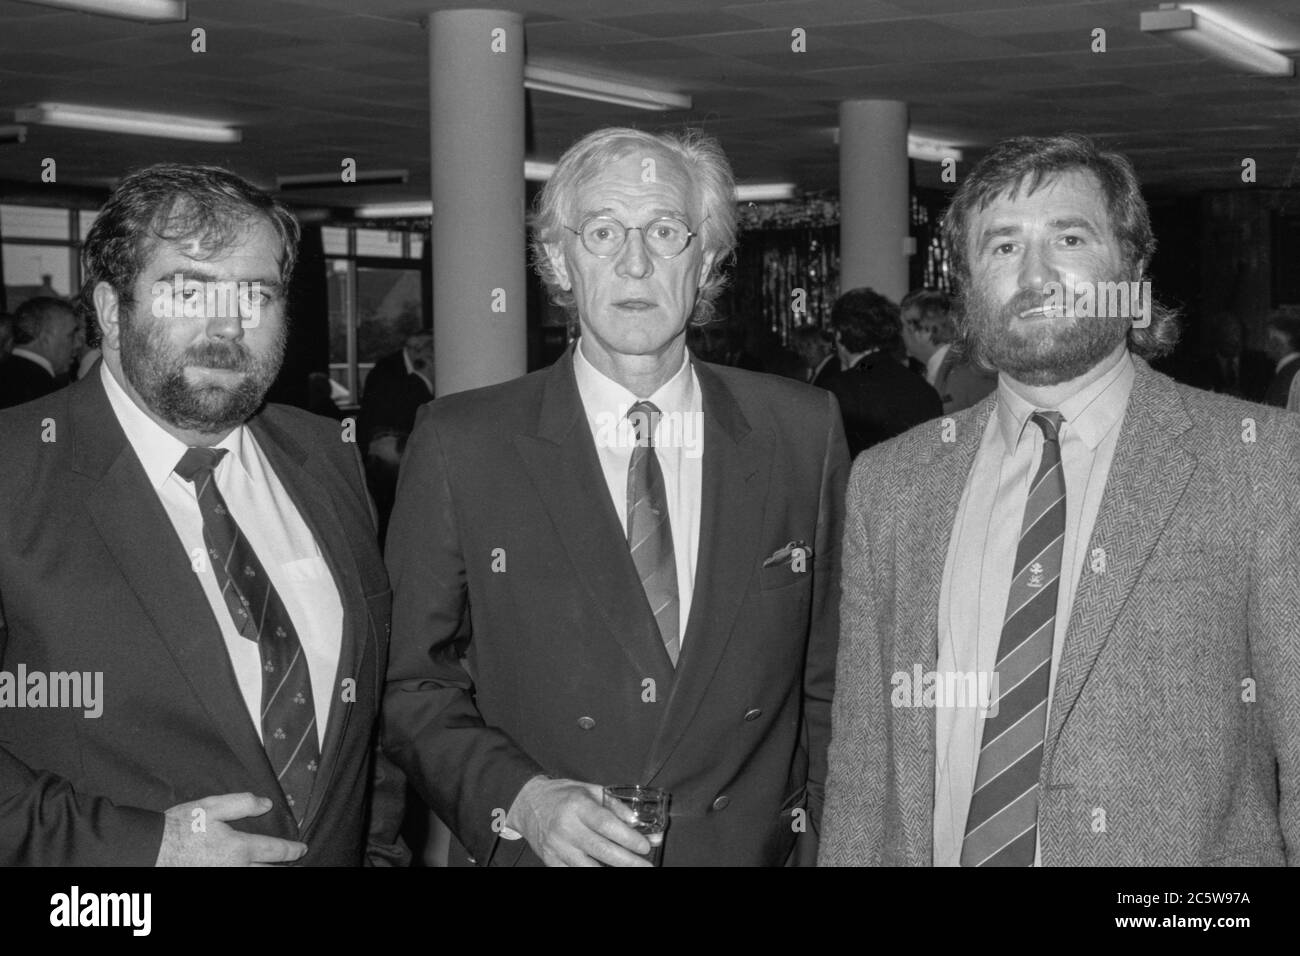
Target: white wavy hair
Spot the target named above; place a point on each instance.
(706, 165)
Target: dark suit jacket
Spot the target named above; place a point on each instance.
(1280, 388)
(880, 398)
(94, 578)
(961, 384)
(22, 380)
(827, 372)
(505, 545)
(392, 397)
(1175, 703)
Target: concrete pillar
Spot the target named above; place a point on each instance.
(874, 196)
(476, 120)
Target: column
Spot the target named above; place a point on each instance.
(476, 120)
(874, 196)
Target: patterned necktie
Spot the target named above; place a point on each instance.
(288, 711)
(649, 532)
(1002, 827)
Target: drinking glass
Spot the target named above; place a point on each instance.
(650, 806)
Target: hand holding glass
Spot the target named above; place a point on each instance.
(644, 809)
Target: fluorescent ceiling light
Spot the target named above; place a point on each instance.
(537, 172)
(372, 177)
(150, 11)
(920, 147)
(761, 192)
(931, 150)
(548, 80)
(1215, 40)
(13, 134)
(395, 210)
(134, 122)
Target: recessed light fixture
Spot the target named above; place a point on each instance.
(394, 210)
(920, 147)
(763, 192)
(149, 11)
(549, 80)
(1213, 37)
(133, 122)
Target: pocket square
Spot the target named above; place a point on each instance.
(785, 554)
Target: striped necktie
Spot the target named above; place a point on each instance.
(288, 711)
(649, 532)
(1002, 826)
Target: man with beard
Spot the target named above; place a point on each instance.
(1068, 617)
(204, 570)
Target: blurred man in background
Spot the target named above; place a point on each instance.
(395, 389)
(45, 343)
(928, 333)
(815, 348)
(879, 396)
(1283, 331)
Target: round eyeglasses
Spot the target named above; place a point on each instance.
(603, 236)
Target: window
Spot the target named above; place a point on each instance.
(40, 252)
(375, 299)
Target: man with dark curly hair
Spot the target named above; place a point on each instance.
(198, 566)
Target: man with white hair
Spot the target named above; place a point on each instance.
(622, 569)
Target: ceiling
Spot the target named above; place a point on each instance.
(312, 81)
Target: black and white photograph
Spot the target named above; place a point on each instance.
(690, 434)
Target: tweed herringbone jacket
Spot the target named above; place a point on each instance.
(1176, 711)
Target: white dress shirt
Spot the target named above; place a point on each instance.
(977, 576)
(679, 446)
(277, 532)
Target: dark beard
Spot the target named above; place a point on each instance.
(1048, 354)
(157, 373)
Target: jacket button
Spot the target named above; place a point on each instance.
(472, 860)
(753, 714)
(586, 723)
(722, 802)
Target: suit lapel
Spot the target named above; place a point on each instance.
(137, 532)
(319, 510)
(734, 490)
(560, 458)
(939, 480)
(1148, 475)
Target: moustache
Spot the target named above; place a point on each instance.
(233, 358)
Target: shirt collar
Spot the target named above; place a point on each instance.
(601, 394)
(40, 360)
(1089, 413)
(160, 451)
(412, 370)
(934, 361)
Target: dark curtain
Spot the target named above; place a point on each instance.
(771, 264)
